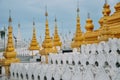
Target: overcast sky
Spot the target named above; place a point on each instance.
(23, 12)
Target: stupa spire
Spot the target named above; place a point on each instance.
(33, 23)
(9, 54)
(106, 9)
(10, 36)
(77, 41)
(34, 44)
(18, 25)
(46, 13)
(89, 25)
(56, 39)
(47, 43)
(88, 15)
(46, 24)
(106, 2)
(106, 13)
(47, 35)
(78, 10)
(78, 18)
(19, 40)
(10, 19)
(90, 36)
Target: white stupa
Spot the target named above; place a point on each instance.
(19, 42)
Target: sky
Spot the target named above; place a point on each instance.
(24, 11)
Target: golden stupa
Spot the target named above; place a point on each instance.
(34, 45)
(47, 44)
(90, 36)
(9, 54)
(106, 13)
(78, 37)
(56, 39)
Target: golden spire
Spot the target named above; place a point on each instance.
(33, 23)
(88, 16)
(106, 9)
(47, 34)
(34, 44)
(78, 10)
(89, 25)
(78, 29)
(18, 25)
(46, 13)
(47, 43)
(10, 19)
(105, 1)
(106, 13)
(56, 40)
(10, 45)
(9, 54)
(90, 36)
(77, 41)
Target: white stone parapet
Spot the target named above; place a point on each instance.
(94, 62)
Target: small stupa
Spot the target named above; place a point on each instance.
(9, 53)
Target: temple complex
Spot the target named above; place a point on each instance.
(34, 45)
(56, 39)
(95, 54)
(9, 54)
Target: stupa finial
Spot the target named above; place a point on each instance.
(10, 19)
(78, 6)
(46, 13)
(88, 15)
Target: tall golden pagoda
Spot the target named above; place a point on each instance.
(34, 45)
(47, 44)
(56, 40)
(78, 38)
(90, 36)
(9, 54)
